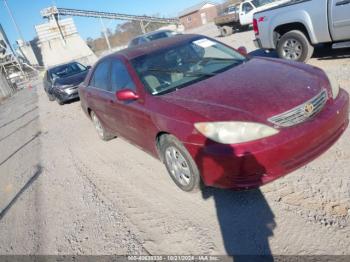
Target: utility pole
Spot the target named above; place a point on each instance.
(20, 35)
(14, 21)
(105, 33)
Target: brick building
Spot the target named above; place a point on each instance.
(198, 15)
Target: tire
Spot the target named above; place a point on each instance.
(61, 103)
(101, 131)
(295, 46)
(179, 163)
(226, 30)
(51, 97)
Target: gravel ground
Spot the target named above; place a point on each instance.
(63, 191)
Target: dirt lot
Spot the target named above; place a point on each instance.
(63, 191)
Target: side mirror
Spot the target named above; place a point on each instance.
(126, 95)
(242, 50)
(88, 67)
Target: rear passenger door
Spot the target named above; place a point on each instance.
(98, 93)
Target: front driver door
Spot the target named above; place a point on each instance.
(98, 94)
(129, 117)
(246, 14)
(340, 19)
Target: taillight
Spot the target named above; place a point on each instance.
(255, 26)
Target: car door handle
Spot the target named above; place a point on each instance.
(111, 101)
(344, 2)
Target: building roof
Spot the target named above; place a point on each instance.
(195, 8)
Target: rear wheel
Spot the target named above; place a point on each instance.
(101, 131)
(295, 46)
(179, 163)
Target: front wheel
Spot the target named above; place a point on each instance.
(295, 46)
(51, 97)
(179, 163)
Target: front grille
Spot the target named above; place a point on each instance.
(302, 112)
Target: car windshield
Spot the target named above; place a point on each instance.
(181, 65)
(66, 70)
(258, 3)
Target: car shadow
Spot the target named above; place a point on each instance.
(263, 53)
(325, 52)
(72, 101)
(245, 217)
(322, 52)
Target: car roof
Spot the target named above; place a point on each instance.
(153, 46)
(153, 33)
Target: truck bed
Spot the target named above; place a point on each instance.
(226, 19)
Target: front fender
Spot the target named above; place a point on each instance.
(299, 16)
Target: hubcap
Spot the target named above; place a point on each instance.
(178, 166)
(97, 125)
(292, 49)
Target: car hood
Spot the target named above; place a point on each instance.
(255, 90)
(71, 80)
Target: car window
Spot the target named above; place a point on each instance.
(142, 40)
(258, 3)
(120, 77)
(247, 7)
(134, 42)
(100, 79)
(158, 36)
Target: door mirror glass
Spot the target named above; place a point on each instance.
(126, 95)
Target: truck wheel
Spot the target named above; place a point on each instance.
(226, 31)
(295, 46)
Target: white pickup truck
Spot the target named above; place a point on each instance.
(240, 16)
(294, 28)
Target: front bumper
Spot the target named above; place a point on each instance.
(65, 96)
(253, 164)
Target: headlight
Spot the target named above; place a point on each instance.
(234, 132)
(334, 85)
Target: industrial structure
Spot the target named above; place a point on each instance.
(53, 12)
(59, 42)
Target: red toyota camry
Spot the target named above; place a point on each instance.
(212, 114)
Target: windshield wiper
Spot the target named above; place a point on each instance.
(186, 73)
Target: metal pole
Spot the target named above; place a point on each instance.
(14, 21)
(105, 34)
(143, 29)
(20, 35)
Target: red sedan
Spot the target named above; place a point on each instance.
(212, 114)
